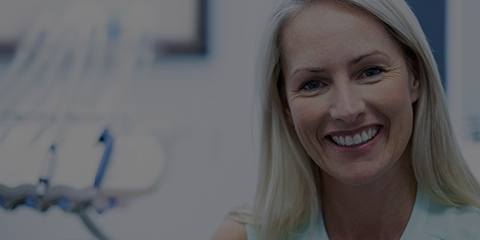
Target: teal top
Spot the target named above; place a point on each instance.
(428, 221)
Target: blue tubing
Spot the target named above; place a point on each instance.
(107, 139)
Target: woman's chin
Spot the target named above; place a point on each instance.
(357, 176)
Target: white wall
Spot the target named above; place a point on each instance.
(207, 104)
(463, 84)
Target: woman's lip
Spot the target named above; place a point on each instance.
(353, 131)
(358, 148)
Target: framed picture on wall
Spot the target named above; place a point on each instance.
(180, 26)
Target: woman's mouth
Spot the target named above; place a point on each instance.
(355, 139)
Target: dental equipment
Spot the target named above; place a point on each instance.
(108, 141)
(47, 172)
(68, 70)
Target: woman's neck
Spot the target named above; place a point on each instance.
(377, 210)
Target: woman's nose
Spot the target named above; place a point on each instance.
(346, 105)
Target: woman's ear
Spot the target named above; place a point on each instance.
(414, 89)
(414, 76)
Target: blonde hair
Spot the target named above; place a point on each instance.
(287, 195)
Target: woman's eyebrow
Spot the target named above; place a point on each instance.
(367, 55)
(354, 61)
(316, 70)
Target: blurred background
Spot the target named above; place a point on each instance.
(179, 76)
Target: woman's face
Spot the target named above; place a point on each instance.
(349, 92)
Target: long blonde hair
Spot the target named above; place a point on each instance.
(287, 195)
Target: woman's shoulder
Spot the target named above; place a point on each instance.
(455, 222)
(465, 222)
(466, 212)
(235, 225)
(230, 230)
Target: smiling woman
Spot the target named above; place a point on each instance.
(361, 82)
(356, 139)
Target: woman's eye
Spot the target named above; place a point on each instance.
(312, 85)
(372, 72)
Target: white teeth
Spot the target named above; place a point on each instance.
(356, 139)
(336, 139)
(348, 140)
(365, 136)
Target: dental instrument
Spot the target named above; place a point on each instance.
(47, 171)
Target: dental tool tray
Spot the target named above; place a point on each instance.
(134, 169)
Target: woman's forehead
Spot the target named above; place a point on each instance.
(331, 33)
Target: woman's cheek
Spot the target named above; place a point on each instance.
(307, 119)
(304, 112)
